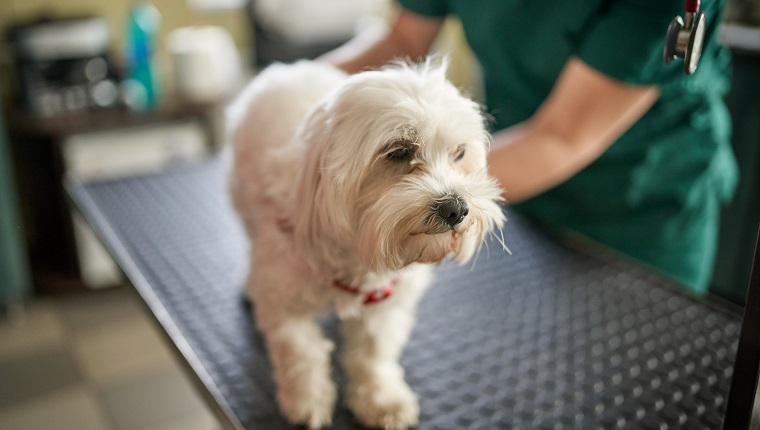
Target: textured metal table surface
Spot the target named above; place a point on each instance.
(550, 337)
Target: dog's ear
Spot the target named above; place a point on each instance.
(318, 221)
(305, 211)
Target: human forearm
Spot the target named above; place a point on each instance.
(410, 36)
(366, 51)
(583, 116)
(528, 160)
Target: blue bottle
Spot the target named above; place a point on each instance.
(141, 88)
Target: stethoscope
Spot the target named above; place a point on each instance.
(684, 39)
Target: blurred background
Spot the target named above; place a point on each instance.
(96, 89)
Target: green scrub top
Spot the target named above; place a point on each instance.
(656, 193)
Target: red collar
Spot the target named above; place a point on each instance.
(374, 296)
(370, 297)
(284, 225)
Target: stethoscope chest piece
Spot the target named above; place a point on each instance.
(685, 40)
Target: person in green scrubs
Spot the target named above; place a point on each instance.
(592, 133)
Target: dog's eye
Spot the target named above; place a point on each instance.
(460, 153)
(399, 154)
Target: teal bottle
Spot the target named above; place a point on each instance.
(141, 88)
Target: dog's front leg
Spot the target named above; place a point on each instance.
(377, 393)
(300, 355)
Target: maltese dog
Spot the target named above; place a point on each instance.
(351, 188)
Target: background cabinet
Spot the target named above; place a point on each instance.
(14, 267)
(63, 253)
(741, 218)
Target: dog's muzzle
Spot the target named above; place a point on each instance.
(452, 210)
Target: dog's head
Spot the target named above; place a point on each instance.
(395, 172)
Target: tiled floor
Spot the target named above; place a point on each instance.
(93, 361)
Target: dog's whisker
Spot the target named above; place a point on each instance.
(501, 240)
(475, 258)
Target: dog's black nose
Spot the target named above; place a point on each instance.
(453, 210)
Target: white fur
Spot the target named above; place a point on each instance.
(310, 149)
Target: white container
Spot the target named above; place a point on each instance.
(206, 63)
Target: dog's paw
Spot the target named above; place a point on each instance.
(390, 406)
(312, 408)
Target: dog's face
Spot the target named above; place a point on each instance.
(395, 172)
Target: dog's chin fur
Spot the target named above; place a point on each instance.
(340, 177)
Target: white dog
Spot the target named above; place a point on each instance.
(349, 187)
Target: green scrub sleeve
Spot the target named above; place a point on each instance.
(627, 40)
(432, 8)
